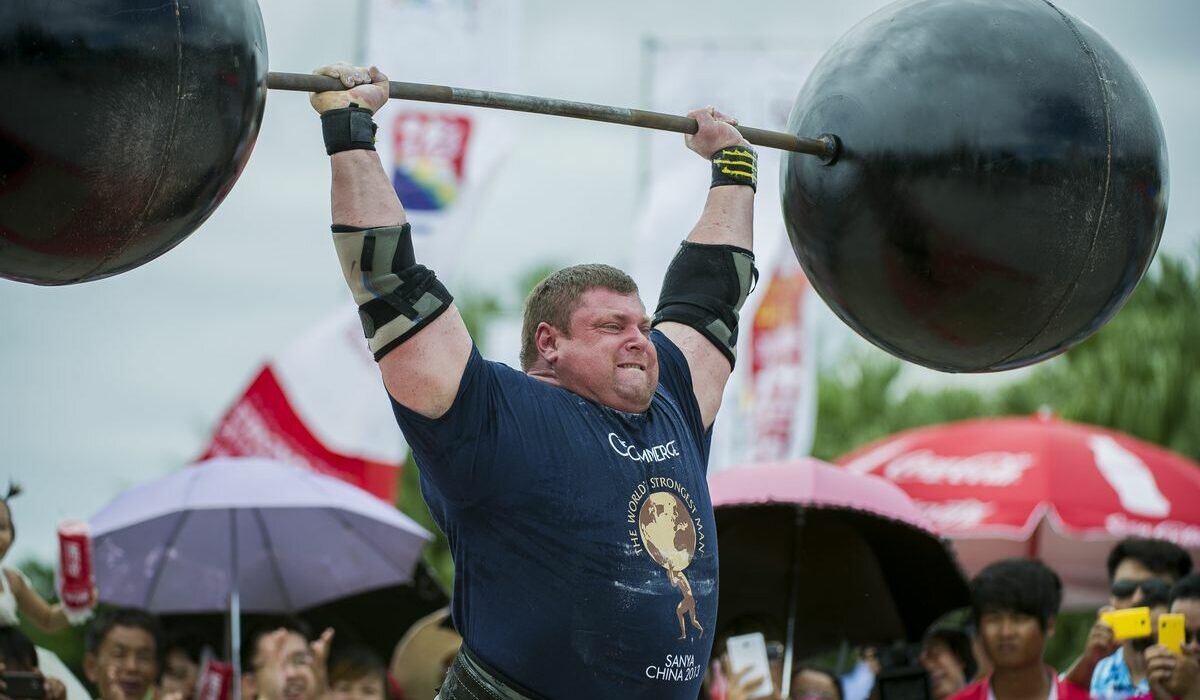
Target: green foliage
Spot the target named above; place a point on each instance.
(1140, 374)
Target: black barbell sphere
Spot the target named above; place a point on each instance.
(1002, 184)
(126, 123)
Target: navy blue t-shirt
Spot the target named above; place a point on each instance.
(583, 538)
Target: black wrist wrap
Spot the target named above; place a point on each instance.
(348, 129)
(735, 165)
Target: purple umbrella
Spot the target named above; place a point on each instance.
(233, 534)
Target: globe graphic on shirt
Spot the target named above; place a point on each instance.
(667, 531)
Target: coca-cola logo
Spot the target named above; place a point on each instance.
(73, 559)
(995, 469)
(1182, 534)
(952, 516)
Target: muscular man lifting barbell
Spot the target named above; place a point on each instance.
(573, 494)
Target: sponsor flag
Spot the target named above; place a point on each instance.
(769, 407)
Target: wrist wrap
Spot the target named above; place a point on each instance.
(347, 129)
(735, 165)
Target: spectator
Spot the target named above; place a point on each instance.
(947, 657)
(1014, 605)
(17, 653)
(121, 653)
(17, 594)
(1140, 573)
(815, 683)
(1172, 676)
(423, 655)
(356, 673)
(181, 661)
(281, 664)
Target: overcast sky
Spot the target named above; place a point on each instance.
(107, 384)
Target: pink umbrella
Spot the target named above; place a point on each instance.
(833, 557)
(1040, 486)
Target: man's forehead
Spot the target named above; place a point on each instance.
(126, 635)
(602, 301)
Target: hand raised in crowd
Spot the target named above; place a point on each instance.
(1171, 676)
(320, 656)
(366, 87)
(715, 132)
(1101, 642)
(741, 688)
(55, 689)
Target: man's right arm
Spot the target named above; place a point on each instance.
(421, 371)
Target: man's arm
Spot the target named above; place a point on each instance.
(421, 371)
(727, 219)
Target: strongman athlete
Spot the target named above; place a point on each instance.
(572, 493)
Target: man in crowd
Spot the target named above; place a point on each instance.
(122, 651)
(573, 494)
(1178, 676)
(947, 657)
(181, 662)
(279, 663)
(1015, 603)
(17, 654)
(1140, 574)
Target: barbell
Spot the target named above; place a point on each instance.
(970, 186)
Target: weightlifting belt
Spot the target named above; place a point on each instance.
(470, 679)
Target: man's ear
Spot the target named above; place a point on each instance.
(1050, 626)
(91, 668)
(545, 340)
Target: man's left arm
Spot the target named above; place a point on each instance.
(712, 273)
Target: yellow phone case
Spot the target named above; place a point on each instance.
(1170, 632)
(1130, 623)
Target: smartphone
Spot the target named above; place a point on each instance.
(1130, 623)
(750, 651)
(24, 684)
(1170, 632)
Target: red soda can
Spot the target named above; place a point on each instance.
(215, 680)
(75, 565)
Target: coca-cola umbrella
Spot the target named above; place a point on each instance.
(831, 557)
(248, 534)
(1039, 486)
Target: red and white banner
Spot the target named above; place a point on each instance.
(770, 403)
(321, 403)
(1039, 486)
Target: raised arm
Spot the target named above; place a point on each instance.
(711, 274)
(412, 325)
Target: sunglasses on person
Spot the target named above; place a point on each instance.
(1125, 588)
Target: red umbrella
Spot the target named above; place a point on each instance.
(828, 556)
(1039, 486)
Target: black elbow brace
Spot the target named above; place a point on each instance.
(705, 287)
(396, 296)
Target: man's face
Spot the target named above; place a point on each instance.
(125, 665)
(1013, 640)
(1190, 609)
(179, 674)
(607, 356)
(1128, 573)
(946, 673)
(367, 687)
(293, 678)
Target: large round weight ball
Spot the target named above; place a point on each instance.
(1001, 189)
(126, 123)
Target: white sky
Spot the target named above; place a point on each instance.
(107, 384)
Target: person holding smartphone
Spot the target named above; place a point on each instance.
(20, 678)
